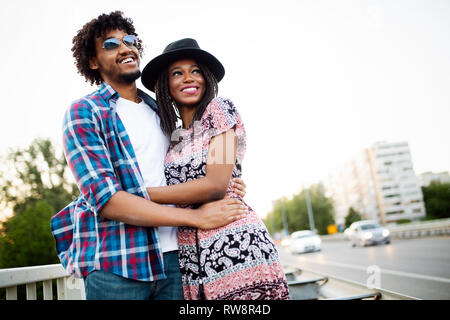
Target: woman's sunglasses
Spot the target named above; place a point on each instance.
(114, 43)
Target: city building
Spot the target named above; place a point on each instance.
(380, 183)
(428, 177)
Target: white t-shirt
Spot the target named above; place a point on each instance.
(150, 147)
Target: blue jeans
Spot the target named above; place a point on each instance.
(102, 285)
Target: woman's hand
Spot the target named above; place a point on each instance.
(219, 213)
(239, 186)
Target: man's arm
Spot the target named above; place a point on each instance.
(134, 210)
(87, 155)
(89, 160)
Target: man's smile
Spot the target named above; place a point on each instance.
(129, 59)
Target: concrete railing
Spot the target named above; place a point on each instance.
(67, 287)
(309, 286)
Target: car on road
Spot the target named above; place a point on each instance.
(304, 241)
(367, 232)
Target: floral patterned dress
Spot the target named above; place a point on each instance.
(239, 260)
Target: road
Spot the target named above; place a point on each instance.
(415, 267)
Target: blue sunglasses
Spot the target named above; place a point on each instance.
(114, 43)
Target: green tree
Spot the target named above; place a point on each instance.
(297, 213)
(29, 241)
(36, 173)
(274, 220)
(35, 185)
(437, 200)
(351, 217)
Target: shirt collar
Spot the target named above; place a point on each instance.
(108, 93)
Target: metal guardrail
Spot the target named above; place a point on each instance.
(306, 289)
(67, 287)
(372, 296)
(421, 229)
(406, 231)
(307, 285)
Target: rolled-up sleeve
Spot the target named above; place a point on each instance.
(88, 156)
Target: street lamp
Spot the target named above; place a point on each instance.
(310, 212)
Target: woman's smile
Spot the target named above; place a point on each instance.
(190, 89)
(186, 83)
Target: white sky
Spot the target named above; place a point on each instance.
(315, 81)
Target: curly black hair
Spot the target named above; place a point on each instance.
(84, 42)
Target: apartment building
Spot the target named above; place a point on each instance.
(380, 183)
(438, 177)
(352, 186)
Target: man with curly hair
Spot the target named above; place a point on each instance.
(117, 239)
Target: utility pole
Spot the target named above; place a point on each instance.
(280, 202)
(310, 212)
(285, 224)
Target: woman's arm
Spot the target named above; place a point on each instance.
(219, 168)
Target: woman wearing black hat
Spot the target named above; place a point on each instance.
(240, 260)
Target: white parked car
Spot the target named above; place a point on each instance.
(367, 232)
(305, 241)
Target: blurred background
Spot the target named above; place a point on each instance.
(346, 106)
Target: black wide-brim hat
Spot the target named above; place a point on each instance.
(180, 49)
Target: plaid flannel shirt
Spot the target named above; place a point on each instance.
(101, 157)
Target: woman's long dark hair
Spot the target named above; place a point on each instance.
(167, 112)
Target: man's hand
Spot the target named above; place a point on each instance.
(219, 213)
(239, 186)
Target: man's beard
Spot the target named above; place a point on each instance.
(129, 77)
